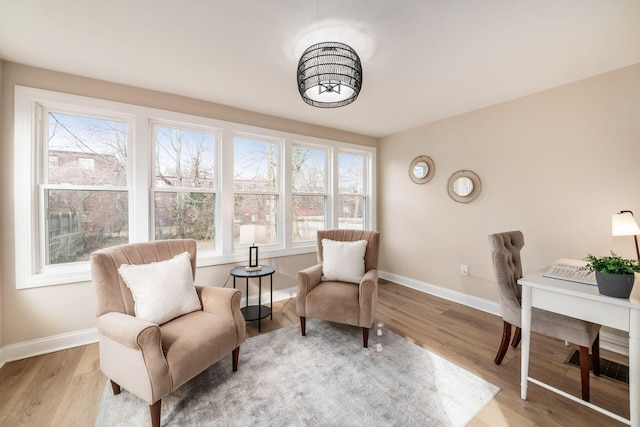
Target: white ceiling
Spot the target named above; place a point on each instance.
(423, 60)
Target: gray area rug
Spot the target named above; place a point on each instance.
(324, 379)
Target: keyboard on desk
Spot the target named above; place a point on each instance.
(570, 270)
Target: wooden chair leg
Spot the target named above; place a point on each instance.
(365, 337)
(504, 344)
(235, 355)
(595, 356)
(303, 325)
(155, 413)
(115, 387)
(584, 372)
(516, 338)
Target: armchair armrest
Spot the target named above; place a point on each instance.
(306, 279)
(128, 330)
(309, 277)
(368, 291)
(226, 303)
(131, 355)
(369, 282)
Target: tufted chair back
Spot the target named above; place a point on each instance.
(505, 252)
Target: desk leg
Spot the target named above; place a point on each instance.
(271, 294)
(634, 368)
(526, 340)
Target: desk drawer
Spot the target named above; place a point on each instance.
(599, 312)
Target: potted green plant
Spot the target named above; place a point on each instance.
(614, 274)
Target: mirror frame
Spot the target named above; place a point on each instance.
(430, 164)
(475, 192)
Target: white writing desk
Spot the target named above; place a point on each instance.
(583, 302)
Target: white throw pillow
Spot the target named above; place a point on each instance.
(343, 261)
(162, 290)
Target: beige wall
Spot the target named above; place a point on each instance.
(42, 312)
(555, 165)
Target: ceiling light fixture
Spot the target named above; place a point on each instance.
(329, 75)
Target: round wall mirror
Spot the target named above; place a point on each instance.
(464, 186)
(421, 169)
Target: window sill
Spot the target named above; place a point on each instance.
(81, 272)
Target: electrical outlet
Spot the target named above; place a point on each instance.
(464, 269)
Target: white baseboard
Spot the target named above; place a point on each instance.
(608, 341)
(40, 346)
(277, 296)
(448, 294)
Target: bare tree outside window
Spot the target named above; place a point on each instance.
(256, 177)
(351, 187)
(185, 184)
(309, 187)
(86, 163)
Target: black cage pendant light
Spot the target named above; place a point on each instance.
(329, 75)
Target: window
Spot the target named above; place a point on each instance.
(91, 173)
(256, 171)
(352, 190)
(185, 185)
(310, 192)
(84, 192)
(84, 163)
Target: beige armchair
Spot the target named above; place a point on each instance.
(508, 267)
(339, 301)
(151, 360)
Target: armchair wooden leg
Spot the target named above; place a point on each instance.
(235, 355)
(365, 337)
(115, 387)
(584, 372)
(155, 413)
(303, 325)
(516, 338)
(504, 344)
(595, 356)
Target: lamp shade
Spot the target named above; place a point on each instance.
(329, 75)
(623, 224)
(251, 234)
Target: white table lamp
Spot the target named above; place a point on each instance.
(624, 224)
(252, 234)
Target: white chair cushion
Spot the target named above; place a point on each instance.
(162, 290)
(343, 261)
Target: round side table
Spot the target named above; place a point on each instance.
(255, 312)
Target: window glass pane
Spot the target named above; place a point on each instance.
(184, 158)
(308, 167)
(308, 217)
(351, 172)
(86, 150)
(256, 209)
(80, 222)
(255, 165)
(185, 216)
(351, 213)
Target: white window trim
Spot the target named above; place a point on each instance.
(27, 166)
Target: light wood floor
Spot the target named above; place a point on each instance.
(65, 388)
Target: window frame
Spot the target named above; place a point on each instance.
(29, 164)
